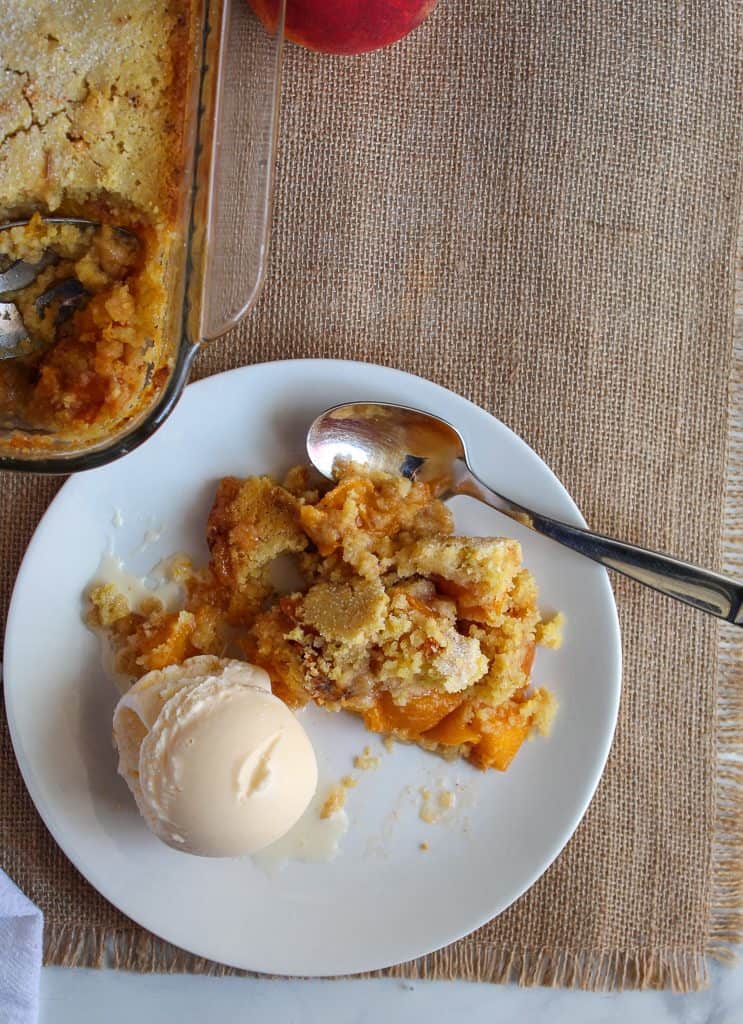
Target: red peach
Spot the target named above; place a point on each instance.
(346, 26)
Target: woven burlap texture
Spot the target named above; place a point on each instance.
(534, 204)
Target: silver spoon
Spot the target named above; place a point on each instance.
(420, 446)
(15, 340)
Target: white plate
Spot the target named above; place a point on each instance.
(383, 900)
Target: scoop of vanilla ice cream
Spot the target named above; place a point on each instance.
(218, 766)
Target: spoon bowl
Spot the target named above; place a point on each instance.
(388, 439)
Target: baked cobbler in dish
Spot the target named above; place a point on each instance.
(93, 125)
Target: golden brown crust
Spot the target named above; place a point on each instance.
(92, 106)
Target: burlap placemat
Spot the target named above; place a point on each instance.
(534, 204)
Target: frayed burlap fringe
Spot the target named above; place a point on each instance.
(80, 946)
(605, 971)
(127, 949)
(727, 879)
(74, 945)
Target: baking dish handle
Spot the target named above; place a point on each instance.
(237, 162)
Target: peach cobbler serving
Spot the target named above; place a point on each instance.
(427, 636)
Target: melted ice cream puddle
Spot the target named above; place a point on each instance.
(313, 839)
(139, 589)
(158, 583)
(152, 536)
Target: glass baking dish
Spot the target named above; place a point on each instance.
(217, 263)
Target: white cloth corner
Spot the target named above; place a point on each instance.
(21, 927)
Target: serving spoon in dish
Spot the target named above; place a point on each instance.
(64, 296)
(397, 440)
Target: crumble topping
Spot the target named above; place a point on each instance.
(427, 636)
(366, 760)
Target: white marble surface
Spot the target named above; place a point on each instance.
(116, 997)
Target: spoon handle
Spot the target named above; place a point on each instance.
(710, 592)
